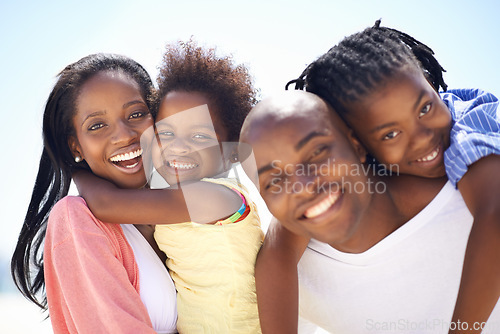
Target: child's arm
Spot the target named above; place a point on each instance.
(202, 202)
(276, 279)
(480, 284)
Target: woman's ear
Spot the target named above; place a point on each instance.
(76, 150)
(356, 144)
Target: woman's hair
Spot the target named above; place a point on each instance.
(57, 163)
(188, 67)
(361, 62)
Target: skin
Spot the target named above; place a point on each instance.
(306, 132)
(480, 284)
(404, 123)
(171, 205)
(110, 117)
(188, 138)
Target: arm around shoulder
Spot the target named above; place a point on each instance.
(480, 284)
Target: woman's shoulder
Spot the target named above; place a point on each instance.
(71, 214)
(69, 206)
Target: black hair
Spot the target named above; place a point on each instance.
(360, 62)
(188, 67)
(57, 164)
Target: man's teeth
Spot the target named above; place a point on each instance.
(431, 156)
(322, 206)
(126, 156)
(182, 165)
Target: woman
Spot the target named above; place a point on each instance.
(98, 277)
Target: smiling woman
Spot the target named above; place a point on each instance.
(107, 131)
(90, 270)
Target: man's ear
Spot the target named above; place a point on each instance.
(356, 144)
(74, 147)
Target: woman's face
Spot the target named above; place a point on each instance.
(111, 115)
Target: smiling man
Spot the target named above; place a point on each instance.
(377, 260)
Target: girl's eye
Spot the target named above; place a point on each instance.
(165, 133)
(201, 136)
(424, 110)
(391, 135)
(96, 126)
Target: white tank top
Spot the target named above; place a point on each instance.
(157, 289)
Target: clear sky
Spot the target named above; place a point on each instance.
(276, 39)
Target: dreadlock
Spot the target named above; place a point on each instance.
(360, 62)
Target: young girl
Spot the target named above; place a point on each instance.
(203, 101)
(384, 84)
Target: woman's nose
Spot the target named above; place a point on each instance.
(123, 133)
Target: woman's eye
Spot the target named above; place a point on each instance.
(96, 126)
(138, 114)
(391, 135)
(424, 110)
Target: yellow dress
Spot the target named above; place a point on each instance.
(213, 270)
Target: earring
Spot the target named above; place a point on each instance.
(234, 158)
(78, 159)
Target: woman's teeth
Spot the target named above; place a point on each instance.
(127, 156)
(182, 165)
(430, 157)
(322, 206)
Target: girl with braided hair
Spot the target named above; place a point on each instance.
(384, 84)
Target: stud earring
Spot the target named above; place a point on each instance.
(78, 159)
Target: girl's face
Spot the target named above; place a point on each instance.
(309, 174)
(189, 136)
(404, 125)
(111, 115)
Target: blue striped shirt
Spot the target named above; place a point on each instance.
(475, 131)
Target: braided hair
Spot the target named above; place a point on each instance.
(361, 62)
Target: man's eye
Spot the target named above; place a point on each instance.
(424, 110)
(274, 182)
(391, 135)
(318, 151)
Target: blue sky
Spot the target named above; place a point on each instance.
(276, 39)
